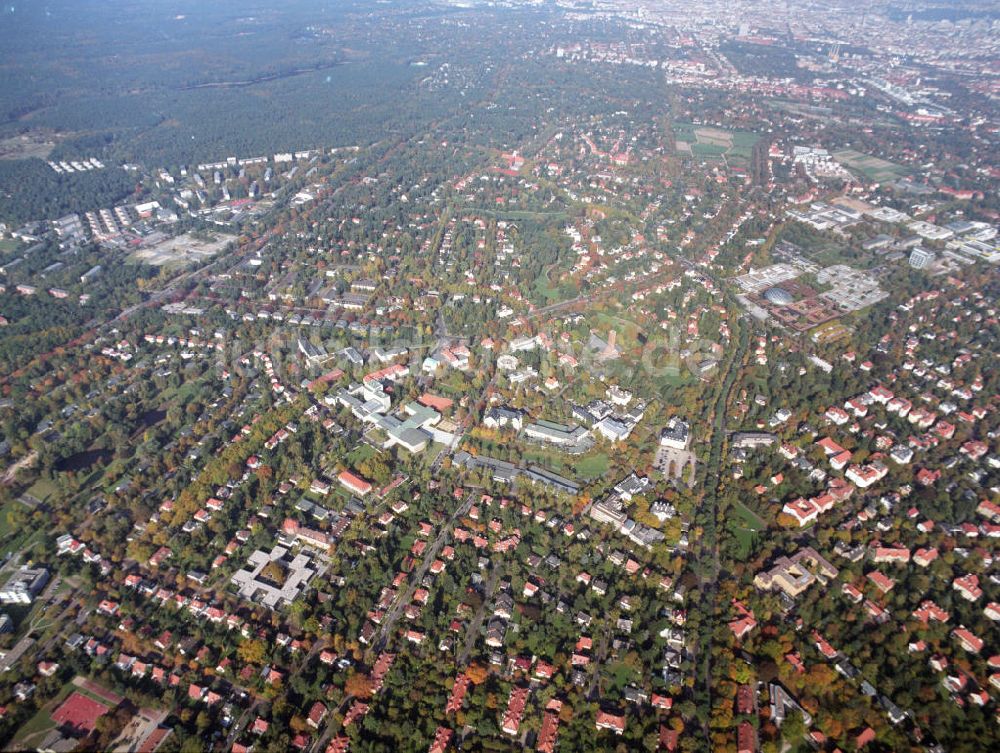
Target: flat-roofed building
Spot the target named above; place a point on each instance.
(24, 585)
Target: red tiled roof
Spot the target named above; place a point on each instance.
(547, 734)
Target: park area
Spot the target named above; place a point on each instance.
(708, 142)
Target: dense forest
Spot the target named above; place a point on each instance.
(210, 83)
(31, 190)
(762, 60)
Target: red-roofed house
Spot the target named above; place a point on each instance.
(743, 626)
(803, 510)
(260, 726)
(357, 710)
(883, 582)
(928, 610)
(547, 735)
(852, 593)
(339, 744)
(824, 646)
(744, 700)
(967, 640)
(669, 738)
(968, 586)
(891, 554)
(867, 736)
(990, 510)
(796, 661)
(457, 696)
(441, 739)
(613, 722)
(661, 701)
(354, 483)
(515, 709)
(317, 714)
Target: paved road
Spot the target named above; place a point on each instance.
(599, 656)
(472, 632)
(251, 711)
(430, 554)
(323, 740)
(707, 554)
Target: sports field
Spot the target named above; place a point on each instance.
(77, 706)
(873, 168)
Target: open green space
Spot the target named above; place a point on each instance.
(517, 214)
(34, 729)
(749, 518)
(593, 466)
(709, 141)
(745, 526)
(619, 675)
(6, 524)
(873, 168)
(44, 490)
(545, 292)
(361, 452)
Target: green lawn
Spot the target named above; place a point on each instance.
(746, 539)
(518, 214)
(749, 518)
(708, 150)
(593, 466)
(44, 490)
(6, 527)
(544, 292)
(619, 675)
(684, 132)
(34, 729)
(745, 526)
(744, 139)
(93, 696)
(363, 451)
